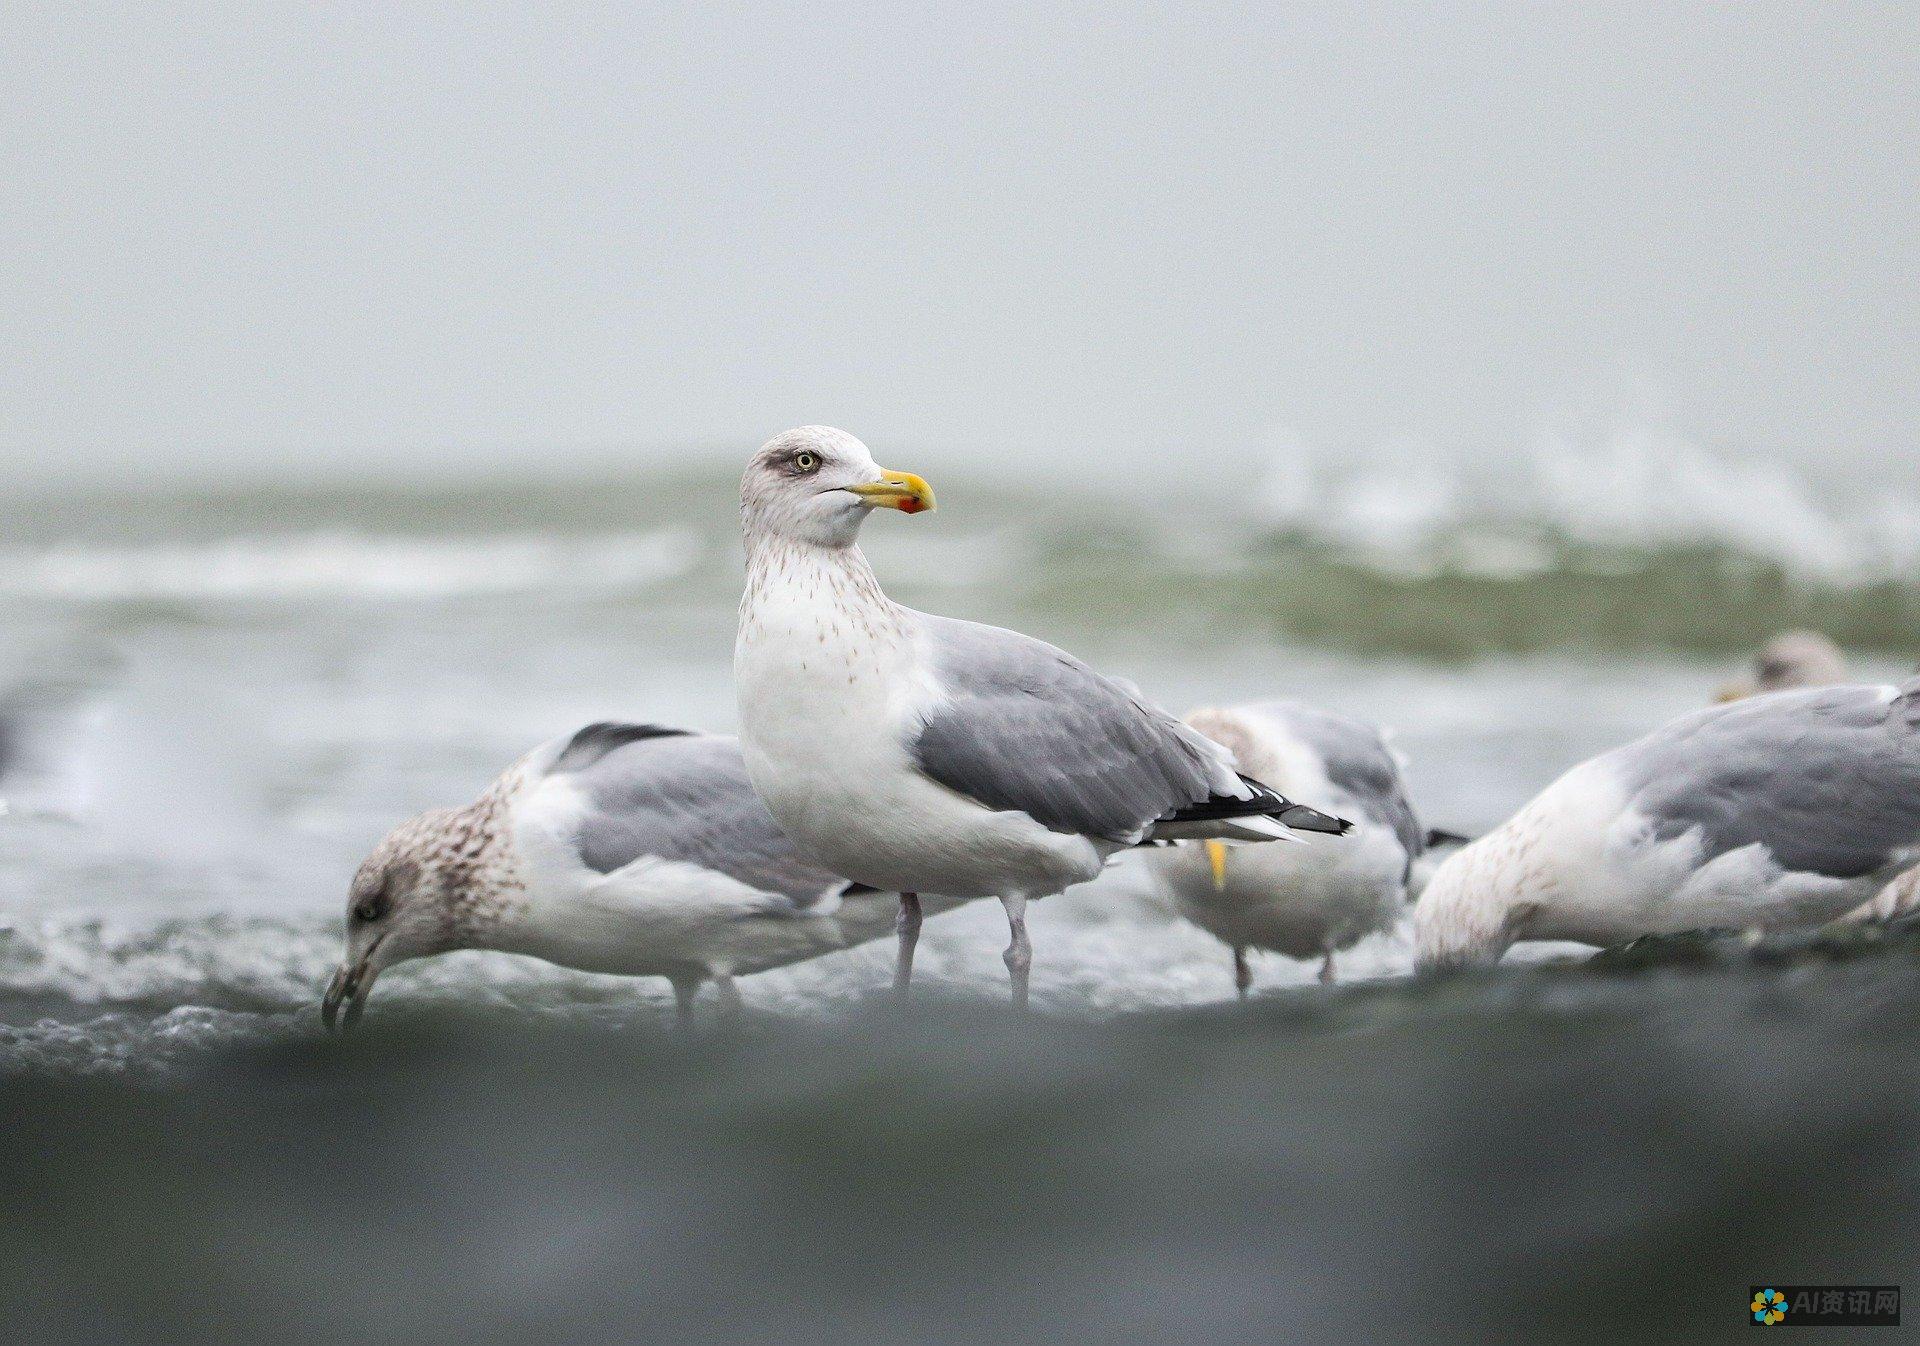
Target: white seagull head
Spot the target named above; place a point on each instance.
(817, 485)
(1791, 659)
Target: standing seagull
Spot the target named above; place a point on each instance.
(624, 848)
(1302, 901)
(920, 754)
(1782, 810)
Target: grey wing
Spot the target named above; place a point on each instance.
(682, 797)
(1827, 779)
(1027, 727)
(1358, 762)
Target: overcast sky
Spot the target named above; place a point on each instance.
(386, 236)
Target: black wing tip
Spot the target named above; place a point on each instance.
(1303, 819)
(603, 736)
(1438, 838)
(1267, 802)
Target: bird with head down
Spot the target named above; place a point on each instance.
(1810, 659)
(1772, 812)
(628, 849)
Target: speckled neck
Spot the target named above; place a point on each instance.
(473, 849)
(831, 579)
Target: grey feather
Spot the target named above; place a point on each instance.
(684, 797)
(1029, 727)
(1827, 779)
(1358, 762)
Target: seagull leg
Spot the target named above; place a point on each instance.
(907, 927)
(1019, 954)
(729, 994)
(684, 990)
(1326, 969)
(1242, 974)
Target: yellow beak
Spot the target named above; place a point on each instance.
(1217, 857)
(897, 490)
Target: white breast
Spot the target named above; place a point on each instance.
(831, 684)
(1299, 900)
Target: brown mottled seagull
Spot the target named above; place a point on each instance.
(629, 849)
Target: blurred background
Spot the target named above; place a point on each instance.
(378, 377)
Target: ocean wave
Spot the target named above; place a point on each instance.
(1631, 538)
(344, 564)
(118, 981)
(1410, 509)
(227, 962)
(121, 1043)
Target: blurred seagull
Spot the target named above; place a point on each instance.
(1782, 810)
(1791, 659)
(917, 753)
(629, 849)
(1301, 901)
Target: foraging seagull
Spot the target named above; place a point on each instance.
(1782, 810)
(1810, 659)
(1301, 901)
(624, 848)
(916, 753)
(1791, 659)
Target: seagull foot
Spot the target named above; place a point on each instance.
(906, 926)
(1019, 954)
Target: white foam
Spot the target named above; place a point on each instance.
(350, 564)
(1410, 507)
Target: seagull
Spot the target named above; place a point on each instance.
(917, 753)
(1810, 659)
(1791, 659)
(1302, 901)
(1782, 810)
(631, 849)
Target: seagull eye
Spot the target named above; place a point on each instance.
(805, 461)
(370, 910)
